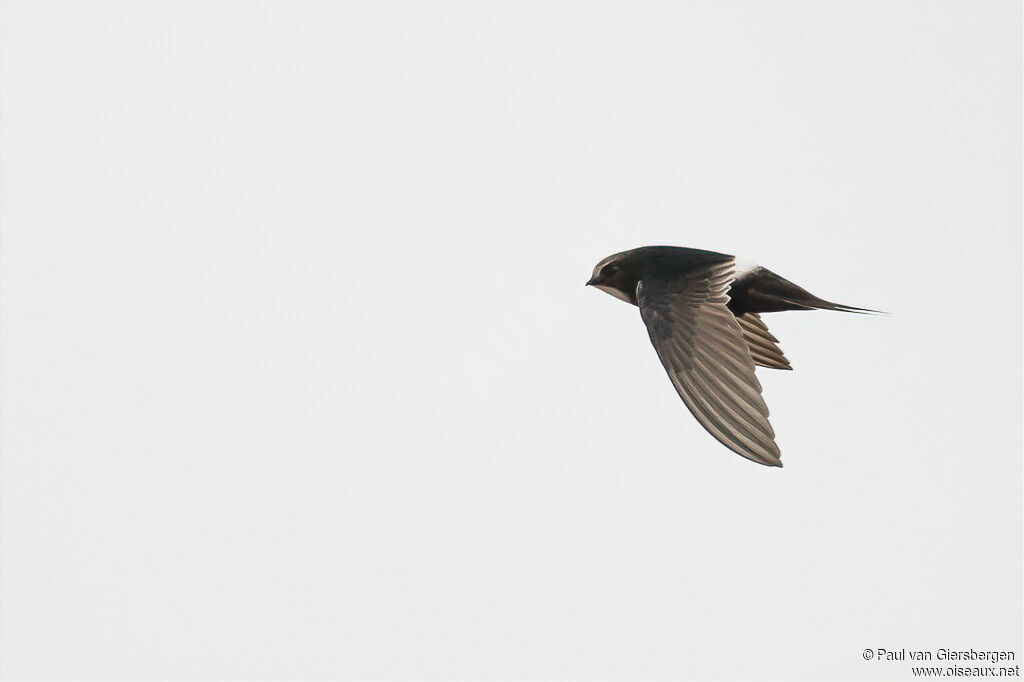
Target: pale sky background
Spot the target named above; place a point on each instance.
(300, 379)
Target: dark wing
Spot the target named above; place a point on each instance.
(763, 346)
(701, 346)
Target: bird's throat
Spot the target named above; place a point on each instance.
(614, 292)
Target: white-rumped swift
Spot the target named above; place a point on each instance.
(703, 313)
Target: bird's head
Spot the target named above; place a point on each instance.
(618, 276)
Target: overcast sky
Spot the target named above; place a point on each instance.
(300, 379)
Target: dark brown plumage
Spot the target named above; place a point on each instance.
(703, 313)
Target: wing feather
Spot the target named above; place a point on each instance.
(764, 348)
(708, 355)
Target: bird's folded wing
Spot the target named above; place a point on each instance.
(763, 346)
(702, 348)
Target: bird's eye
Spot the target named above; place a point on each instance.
(609, 270)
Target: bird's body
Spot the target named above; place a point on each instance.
(702, 311)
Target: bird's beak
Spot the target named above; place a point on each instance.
(590, 281)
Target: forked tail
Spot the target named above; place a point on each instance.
(762, 291)
(821, 304)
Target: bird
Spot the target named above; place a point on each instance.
(703, 312)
